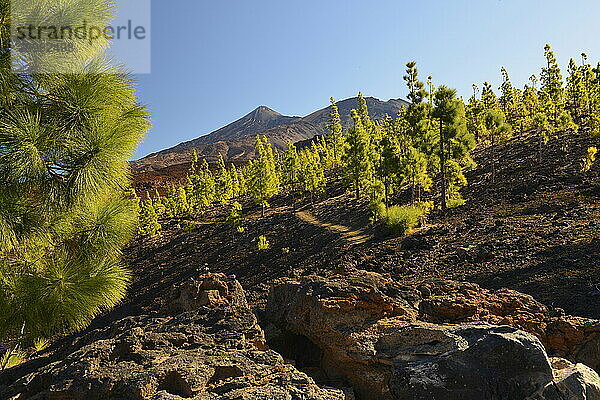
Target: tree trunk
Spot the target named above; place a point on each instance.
(443, 167)
(262, 212)
(493, 159)
(385, 186)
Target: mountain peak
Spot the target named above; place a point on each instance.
(263, 114)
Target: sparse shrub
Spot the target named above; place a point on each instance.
(240, 229)
(263, 243)
(456, 202)
(401, 219)
(588, 161)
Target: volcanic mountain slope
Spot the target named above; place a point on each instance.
(355, 308)
(236, 140)
(534, 229)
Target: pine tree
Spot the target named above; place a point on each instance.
(373, 132)
(358, 161)
(531, 104)
(416, 144)
(576, 92)
(363, 112)
(291, 168)
(312, 174)
(235, 217)
(264, 182)
(489, 98)
(498, 131)
(590, 95)
(552, 90)
(388, 168)
(158, 204)
(456, 180)
(324, 150)
(235, 181)
(414, 171)
(169, 201)
(475, 112)
(454, 141)
(542, 127)
(418, 110)
(336, 133)
(510, 102)
(223, 182)
(200, 189)
(149, 219)
(65, 142)
(242, 178)
(182, 206)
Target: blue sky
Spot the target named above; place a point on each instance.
(215, 61)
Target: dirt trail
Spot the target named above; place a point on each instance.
(353, 237)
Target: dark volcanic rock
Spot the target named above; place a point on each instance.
(466, 362)
(208, 346)
(437, 340)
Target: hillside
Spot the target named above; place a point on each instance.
(236, 140)
(534, 230)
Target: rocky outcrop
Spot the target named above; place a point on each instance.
(437, 340)
(571, 382)
(574, 338)
(205, 345)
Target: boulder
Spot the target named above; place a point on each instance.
(206, 345)
(571, 382)
(467, 362)
(570, 337)
(435, 340)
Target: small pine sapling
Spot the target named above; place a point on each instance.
(588, 161)
(263, 243)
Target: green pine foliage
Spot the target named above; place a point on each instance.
(358, 163)
(158, 203)
(475, 112)
(149, 224)
(336, 133)
(224, 189)
(588, 161)
(201, 188)
(235, 217)
(311, 173)
(552, 93)
(182, 205)
(263, 244)
(264, 182)
(290, 169)
(65, 142)
(454, 142)
(498, 131)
